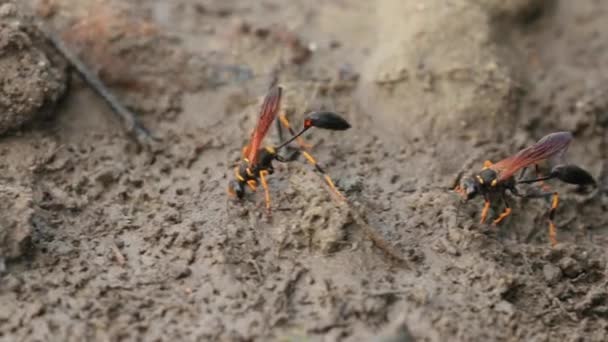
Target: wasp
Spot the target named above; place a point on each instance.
(257, 162)
(495, 179)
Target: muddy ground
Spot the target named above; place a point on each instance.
(105, 240)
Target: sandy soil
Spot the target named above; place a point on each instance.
(104, 240)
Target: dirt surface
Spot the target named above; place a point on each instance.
(126, 243)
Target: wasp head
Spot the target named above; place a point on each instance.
(478, 183)
(469, 188)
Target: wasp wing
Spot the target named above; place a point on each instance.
(270, 108)
(551, 146)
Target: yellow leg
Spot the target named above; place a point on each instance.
(552, 229)
(502, 216)
(310, 158)
(263, 175)
(484, 212)
(332, 186)
(552, 234)
(328, 179)
(252, 184)
(303, 145)
(237, 174)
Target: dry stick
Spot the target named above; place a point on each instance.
(129, 119)
(376, 238)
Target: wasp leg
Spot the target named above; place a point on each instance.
(303, 147)
(523, 173)
(253, 185)
(552, 230)
(505, 213)
(484, 211)
(551, 215)
(280, 129)
(542, 184)
(328, 179)
(263, 175)
(283, 119)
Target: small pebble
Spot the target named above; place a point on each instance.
(552, 273)
(570, 267)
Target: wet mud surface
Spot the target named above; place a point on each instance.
(104, 240)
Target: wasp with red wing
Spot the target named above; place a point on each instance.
(498, 178)
(257, 162)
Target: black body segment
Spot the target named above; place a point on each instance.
(572, 174)
(326, 120)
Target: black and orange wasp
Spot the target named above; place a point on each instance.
(257, 161)
(496, 179)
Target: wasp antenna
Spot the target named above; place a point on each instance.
(456, 181)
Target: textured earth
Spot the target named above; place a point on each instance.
(103, 239)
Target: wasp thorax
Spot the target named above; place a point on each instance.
(487, 177)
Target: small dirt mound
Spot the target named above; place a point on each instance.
(33, 77)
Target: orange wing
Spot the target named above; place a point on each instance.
(270, 108)
(550, 146)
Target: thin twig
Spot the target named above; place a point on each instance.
(376, 238)
(128, 118)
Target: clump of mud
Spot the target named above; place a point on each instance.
(33, 77)
(322, 223)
